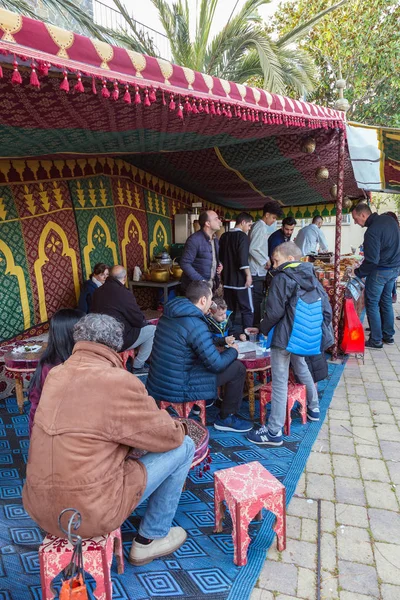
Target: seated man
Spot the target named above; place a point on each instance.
(187, 366)
(115, 300)
(92, 412)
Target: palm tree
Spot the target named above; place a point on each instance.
(242, 50)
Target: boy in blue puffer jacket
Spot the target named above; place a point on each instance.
(219, 323)
(298, 316)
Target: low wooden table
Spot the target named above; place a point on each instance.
(19, 364)
(166, 286)
(257, 365)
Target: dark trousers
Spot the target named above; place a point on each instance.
(233, 379)
(258, 296)
(243, 299)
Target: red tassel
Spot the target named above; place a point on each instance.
(152, 95)
(229, 112)
(16, 78)
(238, 113)
(244, 116)
(34, 81)
(194, 108)
(94, 88)
(257, 117)
(146, 98)
(115, 92)
(104, 91)
(171, 102)
(187, 106)
(180, 111)
(43, 68)
(138, 99)
(79, 86)
(201, 107)
(207, 108)
(1, 73)
(127, 96)
(163, 99)
(64, 85)
(218, 111)
(212, 109)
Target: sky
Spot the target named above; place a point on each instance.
(146, 13)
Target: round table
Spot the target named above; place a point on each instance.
(256, 365)
(18, 365)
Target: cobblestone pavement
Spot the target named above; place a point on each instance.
(354, 469)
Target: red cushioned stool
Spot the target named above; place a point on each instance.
(184, 408)
(296, 393)
(247, 489)
(126, 355)
(55, 554)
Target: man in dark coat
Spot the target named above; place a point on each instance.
(282, 235)
(187, 366)
(115, 300)
(200, 258)
(236, 276)
(381, 266)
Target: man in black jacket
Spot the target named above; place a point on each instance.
(381, 267)
(236, 276)
(115, 300)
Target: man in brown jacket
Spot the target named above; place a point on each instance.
(91, 414)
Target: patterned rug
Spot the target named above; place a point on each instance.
(203, 567)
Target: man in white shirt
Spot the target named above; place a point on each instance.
(258, 253)
(311, 237)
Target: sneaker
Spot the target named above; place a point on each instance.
(264, 437)
(313, 415)
(388, 340)
(210, 402)
(141, 554)
(141, 370)
(372, 345)
(233, 423)
(172, 412)
(398, 317)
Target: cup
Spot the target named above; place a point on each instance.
(252, 337)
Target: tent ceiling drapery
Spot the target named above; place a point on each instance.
(226, 142)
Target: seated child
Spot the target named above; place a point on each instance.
(59, 347)
(299, 313)
(219, 323)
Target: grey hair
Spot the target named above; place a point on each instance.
(101, 329)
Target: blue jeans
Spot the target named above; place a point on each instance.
(378, 302)
(280, 361)
(166, 475)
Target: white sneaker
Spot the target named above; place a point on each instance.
(142, 554)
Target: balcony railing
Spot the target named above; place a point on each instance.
(113, 20)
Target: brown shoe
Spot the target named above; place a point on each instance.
(141, 554)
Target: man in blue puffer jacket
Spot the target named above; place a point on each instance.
(299, 314)
(187, 366)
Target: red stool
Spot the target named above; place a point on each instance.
(296, 393)
(247, 489)
(126, 354)
(183, 408)
(55, 554)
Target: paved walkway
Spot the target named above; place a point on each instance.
(354, 468)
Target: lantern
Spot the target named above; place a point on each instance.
(353, 334)
(333, 191)
(322, 173)
(347, 203)
(308, 146)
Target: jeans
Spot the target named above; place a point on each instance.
(378, 302)
(258, 296)
(280, 361)
(166, 475)
(233, 379)
(145, 343)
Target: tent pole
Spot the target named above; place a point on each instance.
(338, 239)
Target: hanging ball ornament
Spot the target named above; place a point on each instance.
(321, 173)
(347, 203)
(333, 191)
(309, 145)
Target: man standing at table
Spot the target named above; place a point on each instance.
(236, 276)
(381, 266)
(200, 258)
(258, 253)
(310, 238)
(282, 235)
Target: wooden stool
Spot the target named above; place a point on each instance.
(184, 408)
(260, 366)
(297, 392)
(55, 554)
(126, 355)
(247, 489)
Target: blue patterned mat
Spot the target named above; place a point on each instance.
(203, 567)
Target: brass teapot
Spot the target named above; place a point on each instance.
(176, 270)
